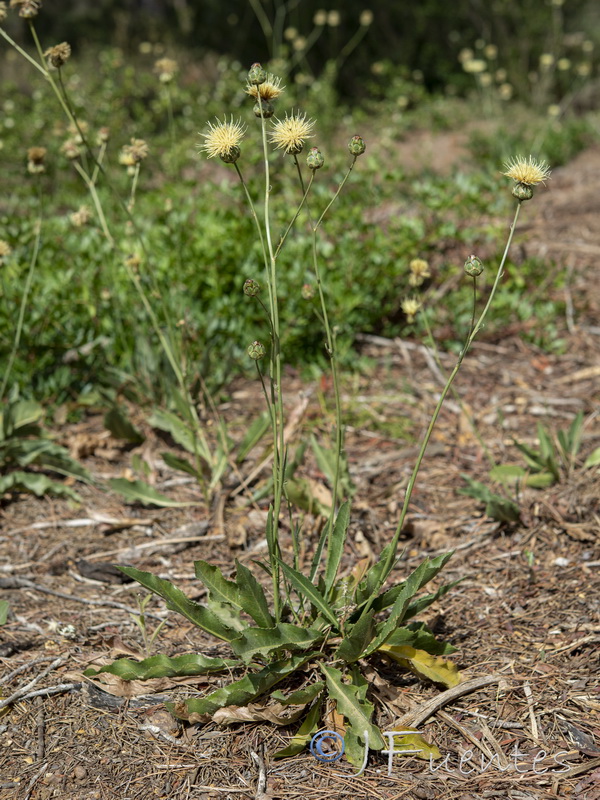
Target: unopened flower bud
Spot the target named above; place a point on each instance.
(473, 266)
(256, 351)
(314, 159)
(232, 155)
(251, 287)
(357, 146)
(522, 191)
(256, 75)
(308, 291)
(264, 109)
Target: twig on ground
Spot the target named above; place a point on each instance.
(34, 780)
(49, 691)
(20, 693)
(579, 769)
(530, 704)
(465, 731)
(24, 668)
(261, 785)
(415, 717)
(41, 728)
(23, 583)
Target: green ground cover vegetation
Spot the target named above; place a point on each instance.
(85, 331)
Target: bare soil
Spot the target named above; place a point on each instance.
(525, 619)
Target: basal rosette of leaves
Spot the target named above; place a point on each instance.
(333, 631)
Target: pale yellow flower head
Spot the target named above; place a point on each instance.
(419, 271)
(289, 134)
(527, 171)
(269, 90)
(5, 250)
(411, 306)
(80, 217)
(166, 69)
(223, 140)
(132, 154)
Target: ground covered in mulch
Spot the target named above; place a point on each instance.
(524, 723)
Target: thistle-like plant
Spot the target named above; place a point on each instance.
(210, 460)
(316, 635)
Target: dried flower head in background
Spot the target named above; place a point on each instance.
(133, 261)
(527, 171)
(3, 11)
(5, 250)
(269, 90)
(27, 8)
(410, 306)
(81, 217)
(132, 154)
(103, 135)
(419, 271)
(166, 69)
(223, 140)
(35, 160)
(77, 132)
(289, 134)
(58, 55)
(71, 149)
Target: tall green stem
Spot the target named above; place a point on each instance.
(276, 387)
(331, 350)
(391, 552)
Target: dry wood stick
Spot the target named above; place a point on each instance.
(415, 717)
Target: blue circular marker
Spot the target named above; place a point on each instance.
(332, 740)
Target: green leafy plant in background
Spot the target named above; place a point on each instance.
(318, 628)
(87, 159)
(553, 459)
(23, 446)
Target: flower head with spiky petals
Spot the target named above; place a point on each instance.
(528, 172)
(268, 90)
(223, 140)
(289, 134)
(411, 307)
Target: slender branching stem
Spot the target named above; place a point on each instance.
(134, 182)
(98, 163)
(277, 417)
(89, 182)
(25, 54)
(299, 209)
(391, 553)
(329, 335)
(253, 211)
(455, 394)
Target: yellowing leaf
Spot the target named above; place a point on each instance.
(423, 664)
(412, 744)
